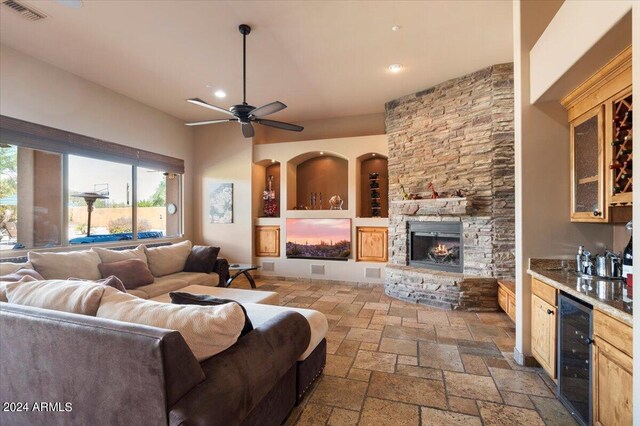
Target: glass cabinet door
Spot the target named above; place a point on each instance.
(587, 167)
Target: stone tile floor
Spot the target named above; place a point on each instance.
(391, 362)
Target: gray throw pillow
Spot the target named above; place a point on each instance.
(133, 272)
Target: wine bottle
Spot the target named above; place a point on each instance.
(627, 259)
(628, 164)
(615, 165)
(617, 189)
(626, 151)
(628, 118)
(616, 142)
(625, 175)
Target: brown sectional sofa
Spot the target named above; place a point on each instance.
(257, 380)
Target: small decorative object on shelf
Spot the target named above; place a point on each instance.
(405, 195)
(434, 194)
(335, 203)
(622, 146)
(270, 207)
(459, 193)
(374, 186)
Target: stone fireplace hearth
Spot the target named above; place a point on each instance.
(458, 135)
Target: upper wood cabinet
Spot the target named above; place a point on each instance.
(600, 141)
(587, 167)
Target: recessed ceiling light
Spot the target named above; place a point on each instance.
(220, 94)
(395, 68)
(73, 4)
(396, 28)
(321, 152)
(273, 161)
(373, 155)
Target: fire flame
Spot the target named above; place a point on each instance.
(441, 249)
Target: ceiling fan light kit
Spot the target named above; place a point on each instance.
(244, 113)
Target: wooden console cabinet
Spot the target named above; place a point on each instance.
(612, 371)
(544, 325)
(373, 244)
(267, 241)
(507, 298)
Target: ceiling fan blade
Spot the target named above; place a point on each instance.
(202, 123)
(200, 102)
(247, 130)
(280, 125)
(268, 109)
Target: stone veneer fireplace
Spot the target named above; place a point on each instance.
(458, 135)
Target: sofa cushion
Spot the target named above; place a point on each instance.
(197, 278)
(165, 260)
(22, 275)
(239, 295)
(109, 256)
(133, 273)
(7, 268)
(208, 330)
(181, 298)
(201, 259)
(77, 297)
(260, 314)
(60, 266)
(162, 285)
(111, 281)
(138, 293)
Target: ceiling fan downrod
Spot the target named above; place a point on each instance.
(245, 30)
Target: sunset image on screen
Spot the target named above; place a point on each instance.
(319, 238)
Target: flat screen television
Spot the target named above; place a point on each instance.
(319, 239)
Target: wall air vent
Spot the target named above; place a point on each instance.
(27, 12)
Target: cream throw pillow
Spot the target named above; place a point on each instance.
(78, 297)
(60, 266)
(208, 330)
(165, 260)
(110, 256)
(7, 268)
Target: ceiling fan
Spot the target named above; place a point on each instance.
(245, 113)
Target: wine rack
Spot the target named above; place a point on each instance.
(622, 145)
(374, 186)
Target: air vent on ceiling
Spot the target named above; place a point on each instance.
(27, 12)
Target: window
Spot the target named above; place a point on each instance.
(107, 187)
(30, 198)
(158, 200)
(45, 200)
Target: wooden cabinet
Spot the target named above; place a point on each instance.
(543, 334)
(267, 241)
(373, 244)
(507, 298)
(587, 167)
(600, 137)
(544, 302)
(612, 371)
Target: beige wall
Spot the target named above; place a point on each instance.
(222, 155)
(35, 91)
(341, 127)
(577, 27)
(543, 228)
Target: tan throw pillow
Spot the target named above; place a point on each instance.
(110, 256)
(60, 266)
(132, 272)
(167, 260)
(7, 268)
(208, 330)
(78, 297)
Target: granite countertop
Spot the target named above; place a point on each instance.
(550, 271)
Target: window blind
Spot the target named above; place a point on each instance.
(35, 136)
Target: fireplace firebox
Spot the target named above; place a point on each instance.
(436, 245)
